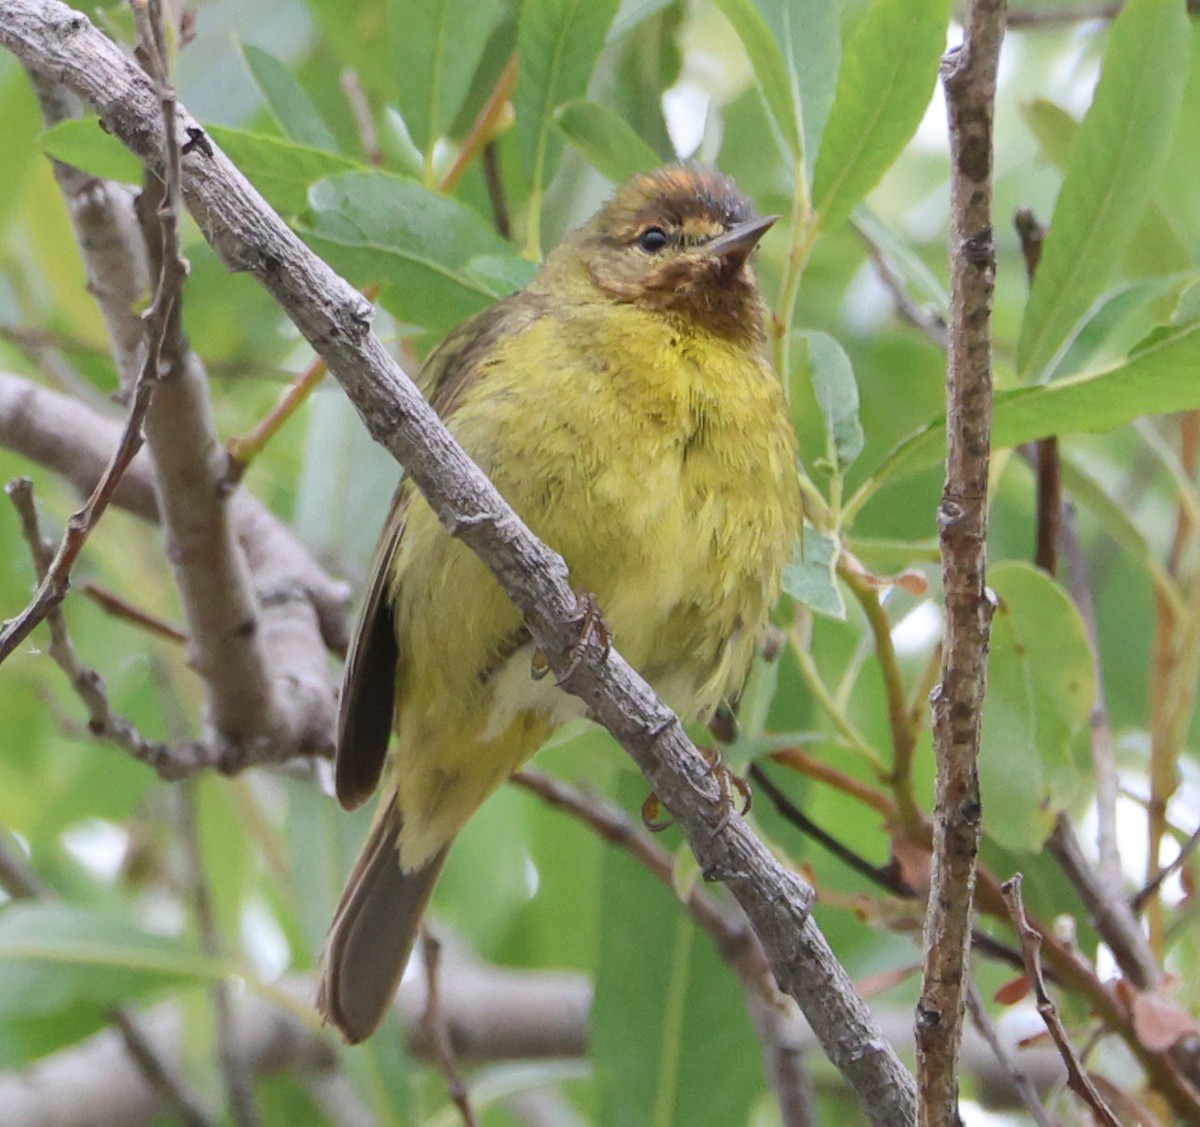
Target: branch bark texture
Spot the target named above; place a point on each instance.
(335, 319)
(969, 78)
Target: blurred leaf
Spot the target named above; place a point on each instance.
(437, 48)
(633, 12)
(54, 954)
(290, 105)
(825, 364)
(611, 146)
(666, 1008)
(1040, 691)
(80, 142)
(362, 38)
(1120, 320)
(281, 170)
(811, 577)
(381, 228)
(1111, 172)
(19, 112)
(795, 49)
(1155, 244)
(1158, 379)
(776, 75)
(886, 79)
(225, 851)
(559, 41)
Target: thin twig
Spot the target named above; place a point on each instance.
(75, 441)
(734, 941)
(495, 187)
(1031, 945)
(492, 118)
(53, 588)
(244, 449)
(922, 317)
(436, 1029)
(1107, 908)
(87, 683)
(1045, 450)
(22, 882)
(119, 607)
(364, 122)
(158, 1074)
(19, 878)
(239, 1083)
(886, 877)
(1151, 887)
(969, 81)
(1020, 1082)
(1104, 759)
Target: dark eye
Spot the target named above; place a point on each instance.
(652, 240)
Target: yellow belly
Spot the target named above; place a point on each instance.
(666, 479)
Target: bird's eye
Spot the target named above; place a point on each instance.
(652, 240)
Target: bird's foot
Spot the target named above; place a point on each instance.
(592, 628)
(729, 781)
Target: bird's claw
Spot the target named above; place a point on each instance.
(592, 628)
(728, 781)
(652, 817)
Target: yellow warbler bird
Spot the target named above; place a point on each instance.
(625, 406)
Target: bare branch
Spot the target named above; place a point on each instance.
(335, 319)
(969, 80)
(239, 1080)
(109, 241)
(1152, 886)
(922, 317)
(1031, 944)
(302, 609)
(433, 1022)
(735, 943)
(87, 683)
(1020, 1082)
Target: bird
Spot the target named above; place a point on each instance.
(625, 405)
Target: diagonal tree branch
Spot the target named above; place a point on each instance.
(335, 319)
(75, 441)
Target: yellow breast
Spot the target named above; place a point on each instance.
(662, 467)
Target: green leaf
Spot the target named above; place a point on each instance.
(54, 954)
(827, 366)
(1158, 379)
(795, 48)
(1156, 246)
(1112, 169)
(633, 12)
(289, 103)
(1041, 686)
(611, 146)
(437, 258)
(81, 143)
(811, 576)
(558, 41)
(280, 169)
(437, 49)
(887, 76)
(662, 1018)
(778, 82)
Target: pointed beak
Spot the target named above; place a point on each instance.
(736, 244)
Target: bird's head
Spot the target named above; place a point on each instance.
(676, 240)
